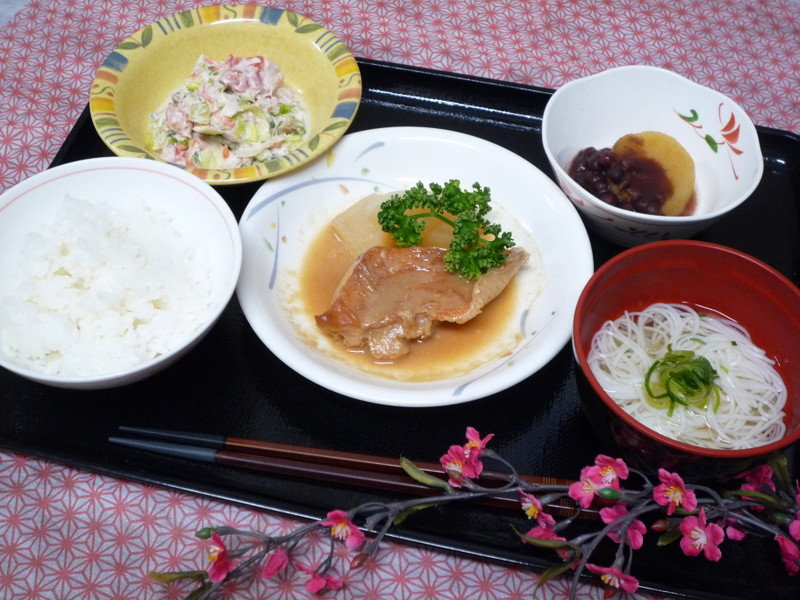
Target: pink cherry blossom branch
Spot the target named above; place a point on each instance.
(698, 517)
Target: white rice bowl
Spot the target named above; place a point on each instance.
(110, 270)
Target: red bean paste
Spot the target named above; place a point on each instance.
(630, 182)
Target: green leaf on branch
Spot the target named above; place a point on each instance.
(610, 494)
(200, 576)
(668, 537)
(780, 468)
(573, 549)
(553, 572)
(422, 477)
(766, 499)
(410, 511)
(169, 577)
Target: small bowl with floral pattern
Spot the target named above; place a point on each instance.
(596, 111)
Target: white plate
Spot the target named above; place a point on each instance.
(286, 213)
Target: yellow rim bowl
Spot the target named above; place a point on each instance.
(138, 76)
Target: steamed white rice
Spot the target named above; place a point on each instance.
(102, 289)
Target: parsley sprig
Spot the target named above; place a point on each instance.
(477, 246)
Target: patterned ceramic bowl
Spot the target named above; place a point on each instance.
(139, 75)
(599, 109)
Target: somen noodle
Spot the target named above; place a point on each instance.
(752, 394)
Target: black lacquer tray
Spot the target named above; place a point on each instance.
(231, 384)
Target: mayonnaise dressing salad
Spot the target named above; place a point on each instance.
(228, 114)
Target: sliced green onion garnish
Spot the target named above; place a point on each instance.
(682, 378)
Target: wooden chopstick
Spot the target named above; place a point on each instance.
(331, 473)
(375, 472)
(319, 456)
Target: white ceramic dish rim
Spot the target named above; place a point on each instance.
(110, 165)
(641, 217)
(349, 164)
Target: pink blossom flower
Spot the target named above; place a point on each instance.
(462, 462)
(342, 528)
(699, 536)
(758, 478)
(583, 490)
(221, 564)
(459, 465)
(320, 582)
(611, 469)
(605, 473)
(794, 527)
(635, 531)
(475, 443)
(733, 531)
(276, 563)
(545, 533)
(672, 492)
(790, 554)
(613, 577)
(532, 507)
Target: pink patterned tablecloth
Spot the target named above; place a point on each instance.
(747, 49)
(65, 533)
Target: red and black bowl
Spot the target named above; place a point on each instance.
(706, 276)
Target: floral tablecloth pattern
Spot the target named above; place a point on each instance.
(69, 534)
(65, 533)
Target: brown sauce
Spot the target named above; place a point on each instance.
(451, 350)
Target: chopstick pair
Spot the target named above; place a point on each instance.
(363, 470)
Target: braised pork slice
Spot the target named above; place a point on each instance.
(393, 295)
